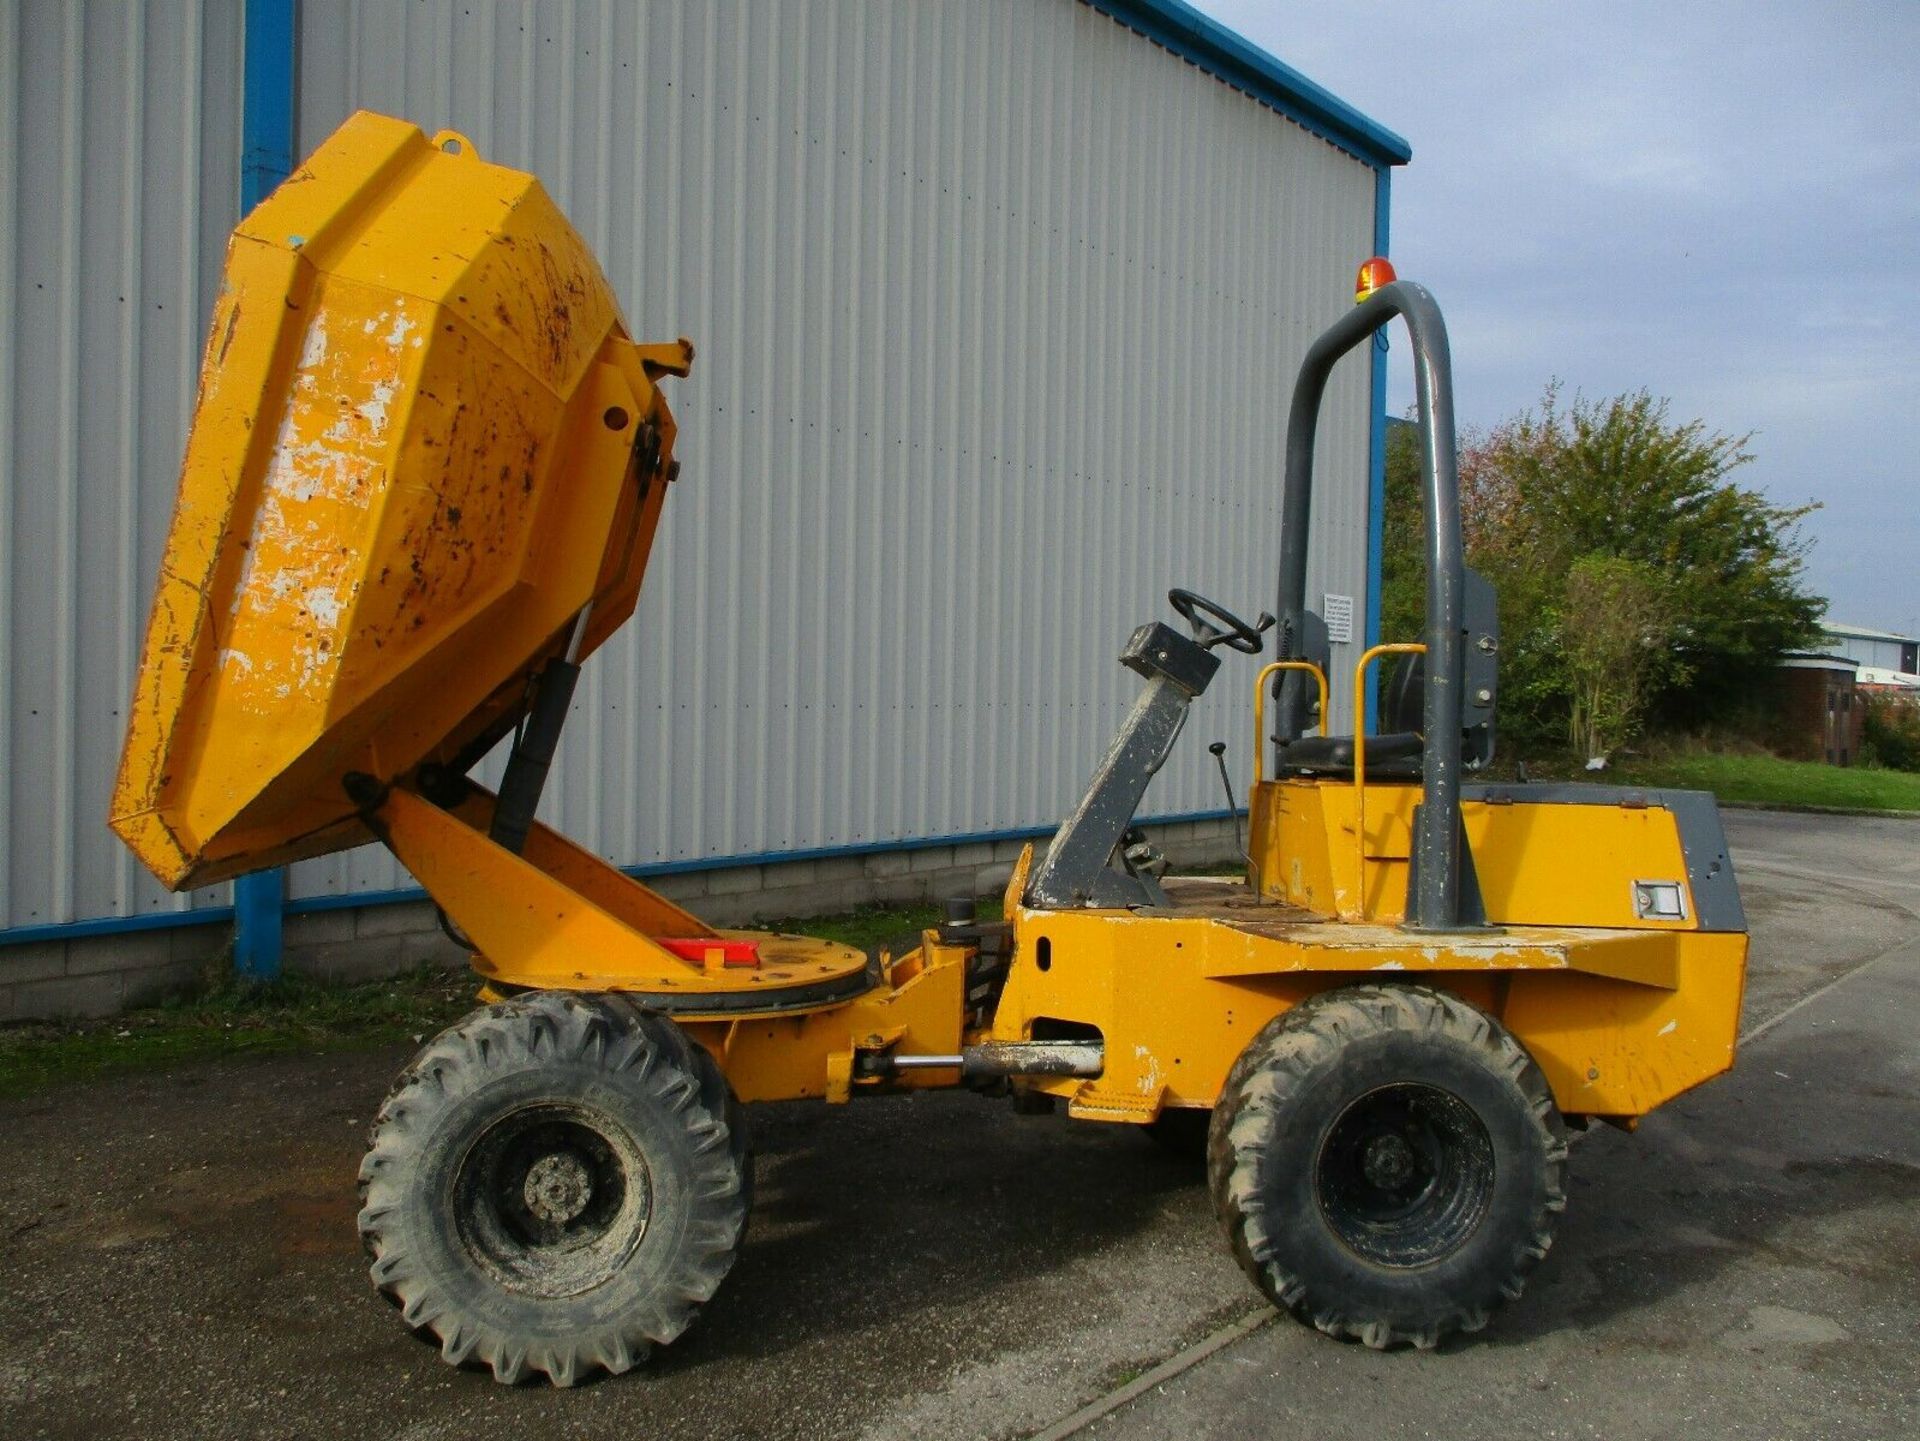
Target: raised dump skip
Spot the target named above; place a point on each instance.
(424, 446)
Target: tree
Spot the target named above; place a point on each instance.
(1403, 571)
(1616, 641)
(1893, 730)
(1616, 479)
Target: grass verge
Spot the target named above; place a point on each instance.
(294, 1014)
(1749, 776)
(299, 1014)
(1769, 781)
(872, 927)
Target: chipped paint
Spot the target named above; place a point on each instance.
(373, 409)
(368, 491)
(320, 482)
(313, 351)
(324, 606)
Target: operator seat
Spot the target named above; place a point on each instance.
(1396, 752)
(1392, 754)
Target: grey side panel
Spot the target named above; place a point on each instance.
(1716, 890)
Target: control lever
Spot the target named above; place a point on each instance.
(1218, 750)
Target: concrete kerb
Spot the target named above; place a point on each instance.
(403, 918)
(78, 997)
(35, 961)
(1806, 810)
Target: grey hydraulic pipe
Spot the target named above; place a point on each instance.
(1435, 906)
(996, 1059)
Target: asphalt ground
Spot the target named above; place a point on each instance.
(181, 1261)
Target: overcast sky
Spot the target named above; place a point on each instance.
(1718, 202)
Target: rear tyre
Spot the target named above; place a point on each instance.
(556, 1183)
(1388, 1164)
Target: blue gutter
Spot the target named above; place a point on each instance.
(266, 158)
(1245, 66)
(214, 915)
(1377, 460)
(113, 926)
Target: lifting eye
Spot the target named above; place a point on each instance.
(1043, 953)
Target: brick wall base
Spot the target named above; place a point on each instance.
(102, 975)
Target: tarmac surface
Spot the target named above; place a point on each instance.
(181, 1258)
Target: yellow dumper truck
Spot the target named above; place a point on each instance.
(424, 477)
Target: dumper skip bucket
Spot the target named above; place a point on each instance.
(424, 450)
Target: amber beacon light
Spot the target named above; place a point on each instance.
(1372, 275)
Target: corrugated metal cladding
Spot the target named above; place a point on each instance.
(118, 175)
(997, 308)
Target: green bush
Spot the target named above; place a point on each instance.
(1893, 731)
(1648, 508)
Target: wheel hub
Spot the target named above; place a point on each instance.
(552, 1198)
(1404, 1176)
(1387, 1162)
(558, 1187)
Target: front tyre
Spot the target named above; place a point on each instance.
(556, 1183)
(1388, 1164)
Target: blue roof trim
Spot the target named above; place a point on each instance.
(1245, 66)
(113, 926)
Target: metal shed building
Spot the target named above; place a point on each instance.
(1880, 649)
(997, 308)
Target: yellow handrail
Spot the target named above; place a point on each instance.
(1260, 705)
(1367, 658)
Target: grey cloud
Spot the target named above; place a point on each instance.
(1720, 203)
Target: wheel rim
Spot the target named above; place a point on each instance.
(1405, 1174)
(551, 1200)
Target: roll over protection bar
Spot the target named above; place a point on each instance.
(1435, 904)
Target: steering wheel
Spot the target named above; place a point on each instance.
(1199, 612)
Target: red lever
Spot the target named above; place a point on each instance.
(700, 950)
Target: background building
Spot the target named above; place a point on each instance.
(997, 309)
(1878, 650)
(1821, 714)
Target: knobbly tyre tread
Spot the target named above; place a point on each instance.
(635, 1049)
(1275, 1070)
(715, 1094)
